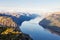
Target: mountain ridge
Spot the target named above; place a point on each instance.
(52, 22)
(10, 26)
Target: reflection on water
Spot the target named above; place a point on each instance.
(37, 32)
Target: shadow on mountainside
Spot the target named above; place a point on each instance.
(16, 34)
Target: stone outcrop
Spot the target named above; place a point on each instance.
(9, 26)
(7, 21)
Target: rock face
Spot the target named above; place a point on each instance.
(9, 26)
(52, 22)
(19, 18)
(7, 21)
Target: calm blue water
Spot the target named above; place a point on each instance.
(37, 32)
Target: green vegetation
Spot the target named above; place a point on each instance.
(8, 33)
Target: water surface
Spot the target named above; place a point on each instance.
(37, 32)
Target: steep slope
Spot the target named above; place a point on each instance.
(9, 31)
(7, 21)
(19, 17)
(9, 26)
(52, 22)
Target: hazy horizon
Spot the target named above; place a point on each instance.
(30, 5)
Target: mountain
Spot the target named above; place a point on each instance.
(10, 25)
(20, 17)
(7, 21)
(52, 22)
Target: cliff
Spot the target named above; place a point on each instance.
(52, 22)
(9, 26)
(19, 17)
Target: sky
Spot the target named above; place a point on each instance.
(40, 7)
(36, 6)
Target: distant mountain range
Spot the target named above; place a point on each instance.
(19, 17)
